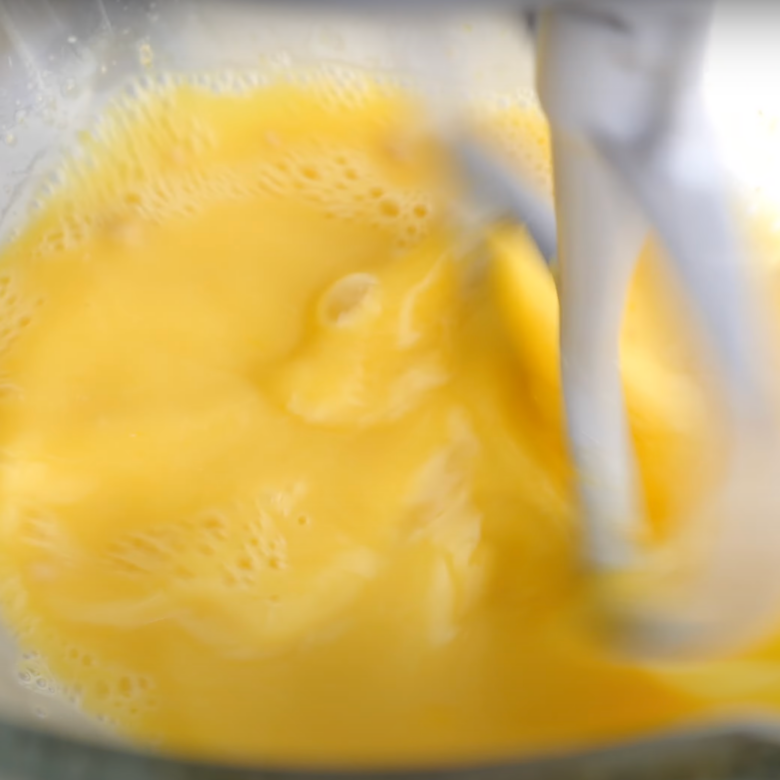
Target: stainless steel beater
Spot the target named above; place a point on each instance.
(633, 149)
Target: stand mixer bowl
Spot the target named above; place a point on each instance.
(60, 62)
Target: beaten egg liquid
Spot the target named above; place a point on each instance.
(283, 476)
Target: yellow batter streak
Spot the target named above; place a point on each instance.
(282, 472)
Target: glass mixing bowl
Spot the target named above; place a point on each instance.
(61, 60)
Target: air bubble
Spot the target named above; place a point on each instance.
(215, 526)
(347, 298)
(389, 208)
(126, 687)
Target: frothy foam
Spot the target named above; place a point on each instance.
(344, 182)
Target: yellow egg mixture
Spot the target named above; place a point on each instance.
(283, 475)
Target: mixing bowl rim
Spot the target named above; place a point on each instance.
(32, 754)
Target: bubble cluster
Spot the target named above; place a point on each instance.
(227, 547)
(521, 132)
(266, 546)
(348, 186)
(143, 148)
(234, 576)
(128, 147)
(341, 184)
(33, 673)
(333, 87)
(118, 693)
(69, 672)
(71, 231)
(342, 89)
